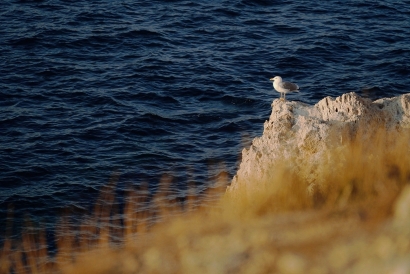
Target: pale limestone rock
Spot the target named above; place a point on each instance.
(296, 130)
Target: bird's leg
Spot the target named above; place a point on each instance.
(282, 96)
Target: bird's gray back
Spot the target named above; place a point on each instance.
(290, 86)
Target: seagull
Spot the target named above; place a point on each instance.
(283, 87)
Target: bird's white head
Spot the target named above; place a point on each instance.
(276, 78)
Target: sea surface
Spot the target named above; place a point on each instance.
(137, 89)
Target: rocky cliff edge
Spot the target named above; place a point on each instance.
(299, 131)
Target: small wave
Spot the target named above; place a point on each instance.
(144, 33)
(97, 16)
(242, 101)
(231, 13)
(142, 127)
(287, 30)
(229, 127)
(155, 97)
(26, 41)
(264, 3)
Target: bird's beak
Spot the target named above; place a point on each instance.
(271, 79)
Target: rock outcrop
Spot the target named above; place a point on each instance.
(299, 131)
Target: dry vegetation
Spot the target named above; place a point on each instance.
(354, 218)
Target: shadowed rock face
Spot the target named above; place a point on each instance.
(303, 132)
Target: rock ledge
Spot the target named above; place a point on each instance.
(299, 130)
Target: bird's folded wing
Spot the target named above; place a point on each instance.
(290, 86)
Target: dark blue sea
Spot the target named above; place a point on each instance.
(144, 89)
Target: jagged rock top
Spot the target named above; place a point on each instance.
(301, 129)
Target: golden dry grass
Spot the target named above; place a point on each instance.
(348, 220)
